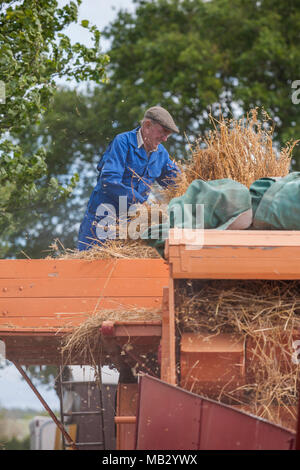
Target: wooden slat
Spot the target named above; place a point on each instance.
(39, 297)
(140, 331)
(19, 325)
(85, 287)
(31, 333)
(126, 406)
(165, 338)
(168, 355)
(237, 268)
(72, 269)
(237, 252)
(237, 237)
(122, 328)
(59, 306)
(60, 293)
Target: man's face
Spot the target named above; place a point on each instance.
(154, 134)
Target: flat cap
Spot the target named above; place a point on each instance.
(162, 116)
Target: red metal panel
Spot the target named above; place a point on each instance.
(223, 428)
(174, 419)
(167, 418)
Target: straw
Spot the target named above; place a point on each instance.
(239, 149)
(122, 249)
(86, 341)
(266, 314)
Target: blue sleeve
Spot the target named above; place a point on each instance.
(169, 173)
(113, 171)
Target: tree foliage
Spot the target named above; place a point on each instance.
(70, 134)
(195, 57)
(34, 52)
(191, 56)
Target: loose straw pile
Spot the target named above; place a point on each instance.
(242, 150)
(122, 249)
(264, 312)
(86, 342)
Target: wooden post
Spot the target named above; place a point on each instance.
(168, 360)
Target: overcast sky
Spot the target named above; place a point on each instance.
(99, 13)
(14, 392)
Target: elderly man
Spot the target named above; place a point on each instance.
(132, 162)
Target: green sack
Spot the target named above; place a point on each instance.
(155, 237)
(258, 189)
(279, 208)
(224, 201)
(217, 204)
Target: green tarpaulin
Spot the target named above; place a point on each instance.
(269, 204)
(279, 207)
(213, 204)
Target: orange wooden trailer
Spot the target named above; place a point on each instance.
(41, 300)
(211, 363)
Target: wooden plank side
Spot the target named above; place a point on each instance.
(126, 406)
(165, 338)
(85, 287)
(70, 269)
(237, 237)
(72, 306)
(168, 353)
(20, 325)
(237, 268)
(57, 294)
(237, 252)
(122, 328)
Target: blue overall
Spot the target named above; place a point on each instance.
(124, 170)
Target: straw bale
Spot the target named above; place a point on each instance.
(85, 340)
(266, 314)
(122, 249)
(239, 149)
